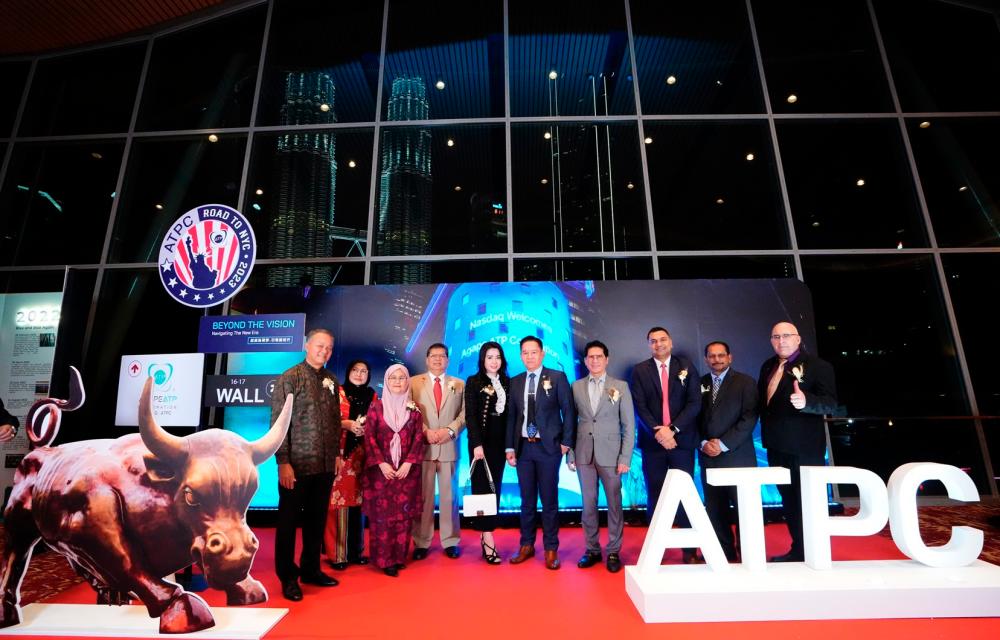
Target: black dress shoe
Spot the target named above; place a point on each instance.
(614, 563)
(392, 571)
(359, 560)
(588, 560)
(319, 579)
(400, 566)
(419, 553)
(452, 552)
(791, 556)
(291, 590)
(339, 566)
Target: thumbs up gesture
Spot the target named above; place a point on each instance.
(798, 397)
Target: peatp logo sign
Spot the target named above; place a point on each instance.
(207, 255)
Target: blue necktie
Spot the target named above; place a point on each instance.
(532, 429)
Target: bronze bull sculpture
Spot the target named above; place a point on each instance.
(127, 512)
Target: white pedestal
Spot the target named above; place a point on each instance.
(793, 591)
(90, 620)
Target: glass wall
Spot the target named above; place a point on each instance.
(546, 140)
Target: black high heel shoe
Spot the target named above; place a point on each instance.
(491, 555)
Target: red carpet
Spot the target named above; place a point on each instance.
(466, 598)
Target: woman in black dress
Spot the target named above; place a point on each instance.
(486, 403)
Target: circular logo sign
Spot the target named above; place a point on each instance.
(207, 255)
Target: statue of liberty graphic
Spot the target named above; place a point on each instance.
(202, 275)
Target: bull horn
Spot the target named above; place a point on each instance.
(77, 395)
(166, 447)
(264, 447)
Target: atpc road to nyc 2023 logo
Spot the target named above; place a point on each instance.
(207, 255)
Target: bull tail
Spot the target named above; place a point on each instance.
(45, 416)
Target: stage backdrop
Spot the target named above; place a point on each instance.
(390, 324)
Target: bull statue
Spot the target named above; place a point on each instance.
(127, 512)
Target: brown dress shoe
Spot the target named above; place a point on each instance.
(551, 560)
(523, 554)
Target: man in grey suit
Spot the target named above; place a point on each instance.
(442, 403)
(605, 435)
(728, 417)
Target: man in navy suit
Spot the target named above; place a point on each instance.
(728, 417)
(668, 422)
(540, 431)
(795, 390)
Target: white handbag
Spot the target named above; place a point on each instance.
(475, 505)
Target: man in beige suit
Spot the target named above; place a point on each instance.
(442, 402)
(605, 435)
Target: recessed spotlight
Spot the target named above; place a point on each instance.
(159, 207)
(816, 224)
(648, 140)
(720, 201)
(324, 107)
(451, 143)
(630, 186)
(750, 157)
(792, 99)
(95, 155)
(545, 180)
(963, 188)
(213, 138)
(925, 124)
(553, 75)
(547, 135)
(458, 187)
(718, 83)
(439, 84)
(671, 80)
(259, 192)
(860, 182)
(352, 163)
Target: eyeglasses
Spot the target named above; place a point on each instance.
(396, 378)
(782, 336)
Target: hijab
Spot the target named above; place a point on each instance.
(394, 411)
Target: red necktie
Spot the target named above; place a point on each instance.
(665, 382)
(437, 393)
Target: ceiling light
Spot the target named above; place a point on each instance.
(816, 224)
(718, 82)
(259, 192)
(213, 138)
(925, 124)
(630, 186)
(95, 155)
(439, 84)
(963, 188)
(159, 207)
(458, 187)
(547, 135)
(352, 163)
(792, 99)
(648, 140)
(324, 107)
(750, 157)
(451, 143)
(899, 245)
(719, 201)
(860, 182)
(553, 75)
(671, 80)
(545, 180)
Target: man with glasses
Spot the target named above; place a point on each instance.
(442, 403)
(795, 390)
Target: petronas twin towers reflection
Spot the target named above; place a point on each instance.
(304, 225)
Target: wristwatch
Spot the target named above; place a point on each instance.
(674, 428)
(451, 432)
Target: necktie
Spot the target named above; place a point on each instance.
(437, 393)
(716, 383)
(772, 384)
(665, 384)
(532, 429)
(595, 394)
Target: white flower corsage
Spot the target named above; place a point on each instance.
(546, 385)
(489, 390)
(682, 376)
(329, 386)
(614, 395)
(451, 386)
(705, 388)
(799, 372)
(361, 420)
(411, 405)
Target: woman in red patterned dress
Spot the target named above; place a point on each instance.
(394, 449)
(343, 538)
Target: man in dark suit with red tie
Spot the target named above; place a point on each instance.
(540, 431)
(795, 390)
(667, 400)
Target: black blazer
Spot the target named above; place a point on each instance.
(785, 428)
(731, 419)
(555, 413)
(685, 402)
(478, 405)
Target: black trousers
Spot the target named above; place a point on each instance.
(791, 494)
(309, 497)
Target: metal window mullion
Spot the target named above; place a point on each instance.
(507, 142)
(262, 60)
(375, 144)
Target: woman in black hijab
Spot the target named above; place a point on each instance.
(344, 536)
